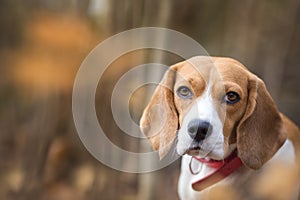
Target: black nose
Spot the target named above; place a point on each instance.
(198, 129)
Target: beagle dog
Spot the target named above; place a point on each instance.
(227, 129)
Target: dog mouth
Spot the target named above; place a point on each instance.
(197, 149)
(193, 150)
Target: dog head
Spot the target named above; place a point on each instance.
(213, 106)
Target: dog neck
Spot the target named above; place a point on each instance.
(220, 170)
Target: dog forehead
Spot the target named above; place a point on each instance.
(207, 69)
(188, 72)
(195, 69)
(231, 70)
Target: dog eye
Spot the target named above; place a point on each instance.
(184, 92)
(232, 98)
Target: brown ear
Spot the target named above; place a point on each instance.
(159, 121)
(260, 132)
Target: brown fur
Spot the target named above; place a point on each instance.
(254, 123)
(160, 110)
(260, 133)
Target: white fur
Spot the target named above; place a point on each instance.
(285, 154)
(214, 147)
(203, 109)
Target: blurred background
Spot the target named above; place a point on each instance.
(43, 43)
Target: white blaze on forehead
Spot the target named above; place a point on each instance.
(204, 109)
(205, 106)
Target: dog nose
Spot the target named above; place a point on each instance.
(198, 129)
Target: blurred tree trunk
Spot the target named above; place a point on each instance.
(245, 31)
(226, 28)
(12, 22)
(132, 14)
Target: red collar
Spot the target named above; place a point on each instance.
(223, 169)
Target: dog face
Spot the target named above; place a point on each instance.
(209, 102)
(213, 105)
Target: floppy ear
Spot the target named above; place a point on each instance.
(159, 121)
(260, 133)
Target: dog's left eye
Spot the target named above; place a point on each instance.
(231, 97)
(184, 92)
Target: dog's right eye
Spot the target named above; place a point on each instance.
(184, 92)
(231, 98)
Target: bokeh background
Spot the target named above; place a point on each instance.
(42, 44)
